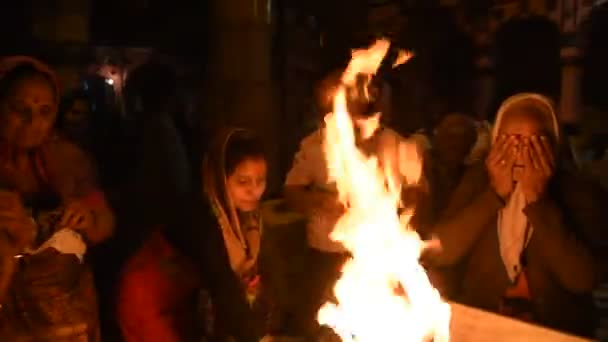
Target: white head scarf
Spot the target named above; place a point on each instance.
(514, 231)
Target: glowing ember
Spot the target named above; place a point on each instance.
(384, 294)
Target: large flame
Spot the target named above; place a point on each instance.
(384, 294)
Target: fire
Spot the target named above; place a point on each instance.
(384, 294)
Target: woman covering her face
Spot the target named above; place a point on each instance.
(519, 229)
(217, 238)
(50, 211)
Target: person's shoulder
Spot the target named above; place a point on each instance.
(389, 132)
(62, 145)
(476, 169)
(314, 138)
(475, 175)
(418, 138)
(312, 144)
(64, 151)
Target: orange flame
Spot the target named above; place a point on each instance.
(384, 294)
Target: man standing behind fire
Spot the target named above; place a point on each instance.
(309, 191)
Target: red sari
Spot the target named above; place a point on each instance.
(157, 295)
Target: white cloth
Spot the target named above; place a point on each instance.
(310, 169)
(513, 232)
(65, 241)
(512, 221)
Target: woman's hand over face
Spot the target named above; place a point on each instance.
(500, 164)
(539, 165)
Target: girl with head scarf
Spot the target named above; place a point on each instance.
(217, 237)
(234, 179)
(50, 212)
(519, 228)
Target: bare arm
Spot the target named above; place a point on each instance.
(104, 220)
(73, 175)
(472, 206)
(300, 195)
(459, 233)
(305, 200)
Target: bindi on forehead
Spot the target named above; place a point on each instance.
(34, 91)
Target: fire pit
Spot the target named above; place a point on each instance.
(473, 325)
(384, 294)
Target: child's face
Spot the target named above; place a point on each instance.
(247, 183)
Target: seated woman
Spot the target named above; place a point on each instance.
(50, 212)
(519, 229)
(217, 239)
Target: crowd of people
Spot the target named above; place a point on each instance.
(168, 247)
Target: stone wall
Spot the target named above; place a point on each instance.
(241, 87)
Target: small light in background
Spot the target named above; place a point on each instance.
(109, 81)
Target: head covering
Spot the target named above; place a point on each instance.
(9, 64)
(542, 103)
(243, 248)
(514, 230)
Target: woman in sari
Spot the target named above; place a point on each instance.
(518, 234)
(216, 237)
(50, 212)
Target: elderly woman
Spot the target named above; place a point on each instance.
(50, 212)
(519, 229)
(215, 244)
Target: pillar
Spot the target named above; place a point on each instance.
(240, 86)
(570, 100)
(61, 28)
